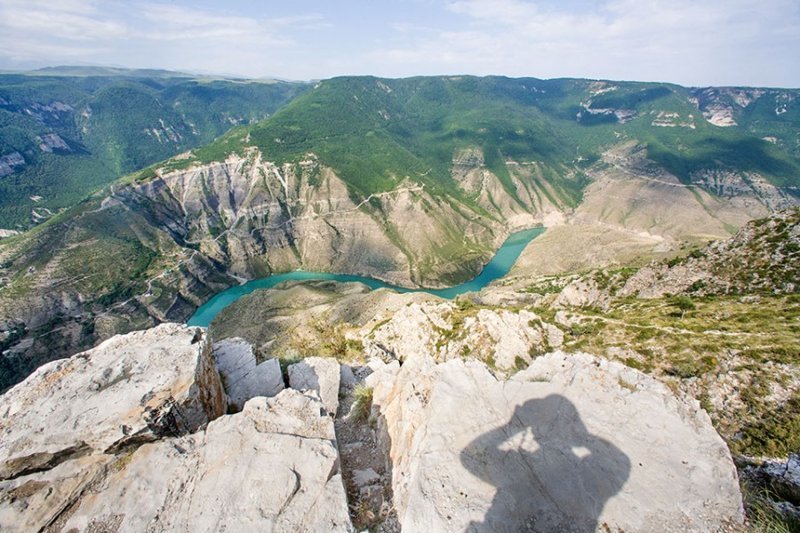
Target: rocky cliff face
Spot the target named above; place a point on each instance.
(573, 441)
(256, 217)
(131, 436)
(160, 244)
(124, 392)
(153, 251)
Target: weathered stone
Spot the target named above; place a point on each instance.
(103, 455)
(346, 377)
(365, 477)
(410, 332)
(319, 374)
(272, 467)
(31, 502)
(507, 339)
(380, 372)
(573, 443)
(130, 389)
(582, 293)
(781, 476)
(243, 378)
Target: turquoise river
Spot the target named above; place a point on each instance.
(498, 267)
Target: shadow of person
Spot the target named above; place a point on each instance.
(550, 473)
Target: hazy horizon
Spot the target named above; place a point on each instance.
(234, 76)
(717, 42)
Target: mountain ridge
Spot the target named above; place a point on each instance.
(63, 136)
(386, 178)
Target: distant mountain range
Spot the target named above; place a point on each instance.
(414, 181)
(65, 131)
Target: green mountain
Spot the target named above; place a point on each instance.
(413, 181)
(65, 131)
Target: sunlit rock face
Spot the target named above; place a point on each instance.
(572, 443)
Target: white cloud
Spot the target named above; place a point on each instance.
(715, 41)
(686, 41)
(74, 19)
(174, 23)
(145, 34)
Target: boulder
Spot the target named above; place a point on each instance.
(130, 389)
(242, 377)
(347, 379)
(272, 467)
(505, 339)
(573, 443)
(782, 476)
(582, 293)
(321, 374)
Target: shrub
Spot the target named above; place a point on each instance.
(776, 434)
(697, 285)
(362, 403)
(762, 515)
(633, 363)
(688, 368)
(585, 328)
(465, 304)
(286, 360)
(684, 304)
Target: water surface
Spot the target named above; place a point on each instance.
(498, 267)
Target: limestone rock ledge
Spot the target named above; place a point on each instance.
(130, 389)
(320, 374)
(130, 436)
(242, 377)
(573, 443)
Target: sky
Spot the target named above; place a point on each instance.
(690, 42)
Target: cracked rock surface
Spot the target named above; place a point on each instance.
(130, 389)
(130, 436)
(243, 378)
(272, 467)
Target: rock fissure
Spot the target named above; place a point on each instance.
(25, 465)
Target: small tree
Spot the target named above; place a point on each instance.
(683, 303)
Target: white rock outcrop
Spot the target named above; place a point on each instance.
(272, 467)
(503, 337)
(131, 436)
(582, 293)
(573, 443)
(506, 337)
(411, 332)
(130, 389)
(242, 377)
(320, 374)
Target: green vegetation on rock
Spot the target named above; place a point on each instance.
(76, 133)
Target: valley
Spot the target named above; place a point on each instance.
(540, 239)
(500, 264)
(341, 180)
